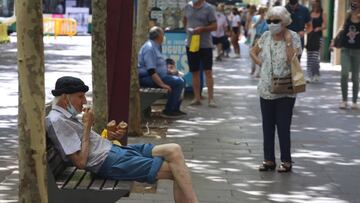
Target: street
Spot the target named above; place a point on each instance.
(223, 146)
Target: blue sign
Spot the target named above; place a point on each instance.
(174, 47)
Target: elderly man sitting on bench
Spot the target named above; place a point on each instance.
(153, 72)
(76, 142)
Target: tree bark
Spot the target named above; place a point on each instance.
(141, 30)
(32, 159)
(99, 73)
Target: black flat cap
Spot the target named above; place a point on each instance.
(69, 85)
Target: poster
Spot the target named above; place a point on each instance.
(174, 48)
(167, 13)
(81, 15)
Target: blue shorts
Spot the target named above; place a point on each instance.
(132, 162)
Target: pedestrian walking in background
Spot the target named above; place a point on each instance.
(236, 28)
(350, 54)
(301, 20)
(314, 41)
(277, 47)
(199, 19)
(249, 19)
(244, 17)
(219, 36)
(260, 27)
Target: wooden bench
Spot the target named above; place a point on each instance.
(148, 96)
(68, 184)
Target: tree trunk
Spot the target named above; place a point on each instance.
(32, 159)
(99, 73)
(141, 30)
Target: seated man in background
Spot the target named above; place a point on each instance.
(153, 72)
(76, 142)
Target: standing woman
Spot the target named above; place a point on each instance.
(273, 53)
(235, 26)
(350, 55)
(318, 18)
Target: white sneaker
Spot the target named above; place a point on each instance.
(309, 80)
(316, 78)
(343, 105)
(354, 106)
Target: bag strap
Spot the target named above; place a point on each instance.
(347, 19)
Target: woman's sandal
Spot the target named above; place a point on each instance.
(267, 166)
(285, 167)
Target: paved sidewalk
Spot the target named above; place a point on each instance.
(223, 146)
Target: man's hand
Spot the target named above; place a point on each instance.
(167, 87)
(88, 117)
(302, 34)
(117, 135)
(318, 29)
(198, 30)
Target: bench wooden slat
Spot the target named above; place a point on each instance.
(97, 183)
(152, 90)
(109, 184)
(64, 176)
(75, 179)
(86, 181)
(123, 185)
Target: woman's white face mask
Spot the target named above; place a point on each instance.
(275, 28)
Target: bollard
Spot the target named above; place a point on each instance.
(4, 37)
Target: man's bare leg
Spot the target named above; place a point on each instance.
(210, 84)
(220, 51)
(165, 173)
(196, 85)
(174, 162)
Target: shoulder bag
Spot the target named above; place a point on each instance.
(292, 83)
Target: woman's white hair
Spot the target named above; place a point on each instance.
(279, 12)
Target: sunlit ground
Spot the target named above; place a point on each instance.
(222, 146)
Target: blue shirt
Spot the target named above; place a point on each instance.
(300, 16)
(150, 57)
(260, 25)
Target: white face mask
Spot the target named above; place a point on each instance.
(71, 109)
(275, 28)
